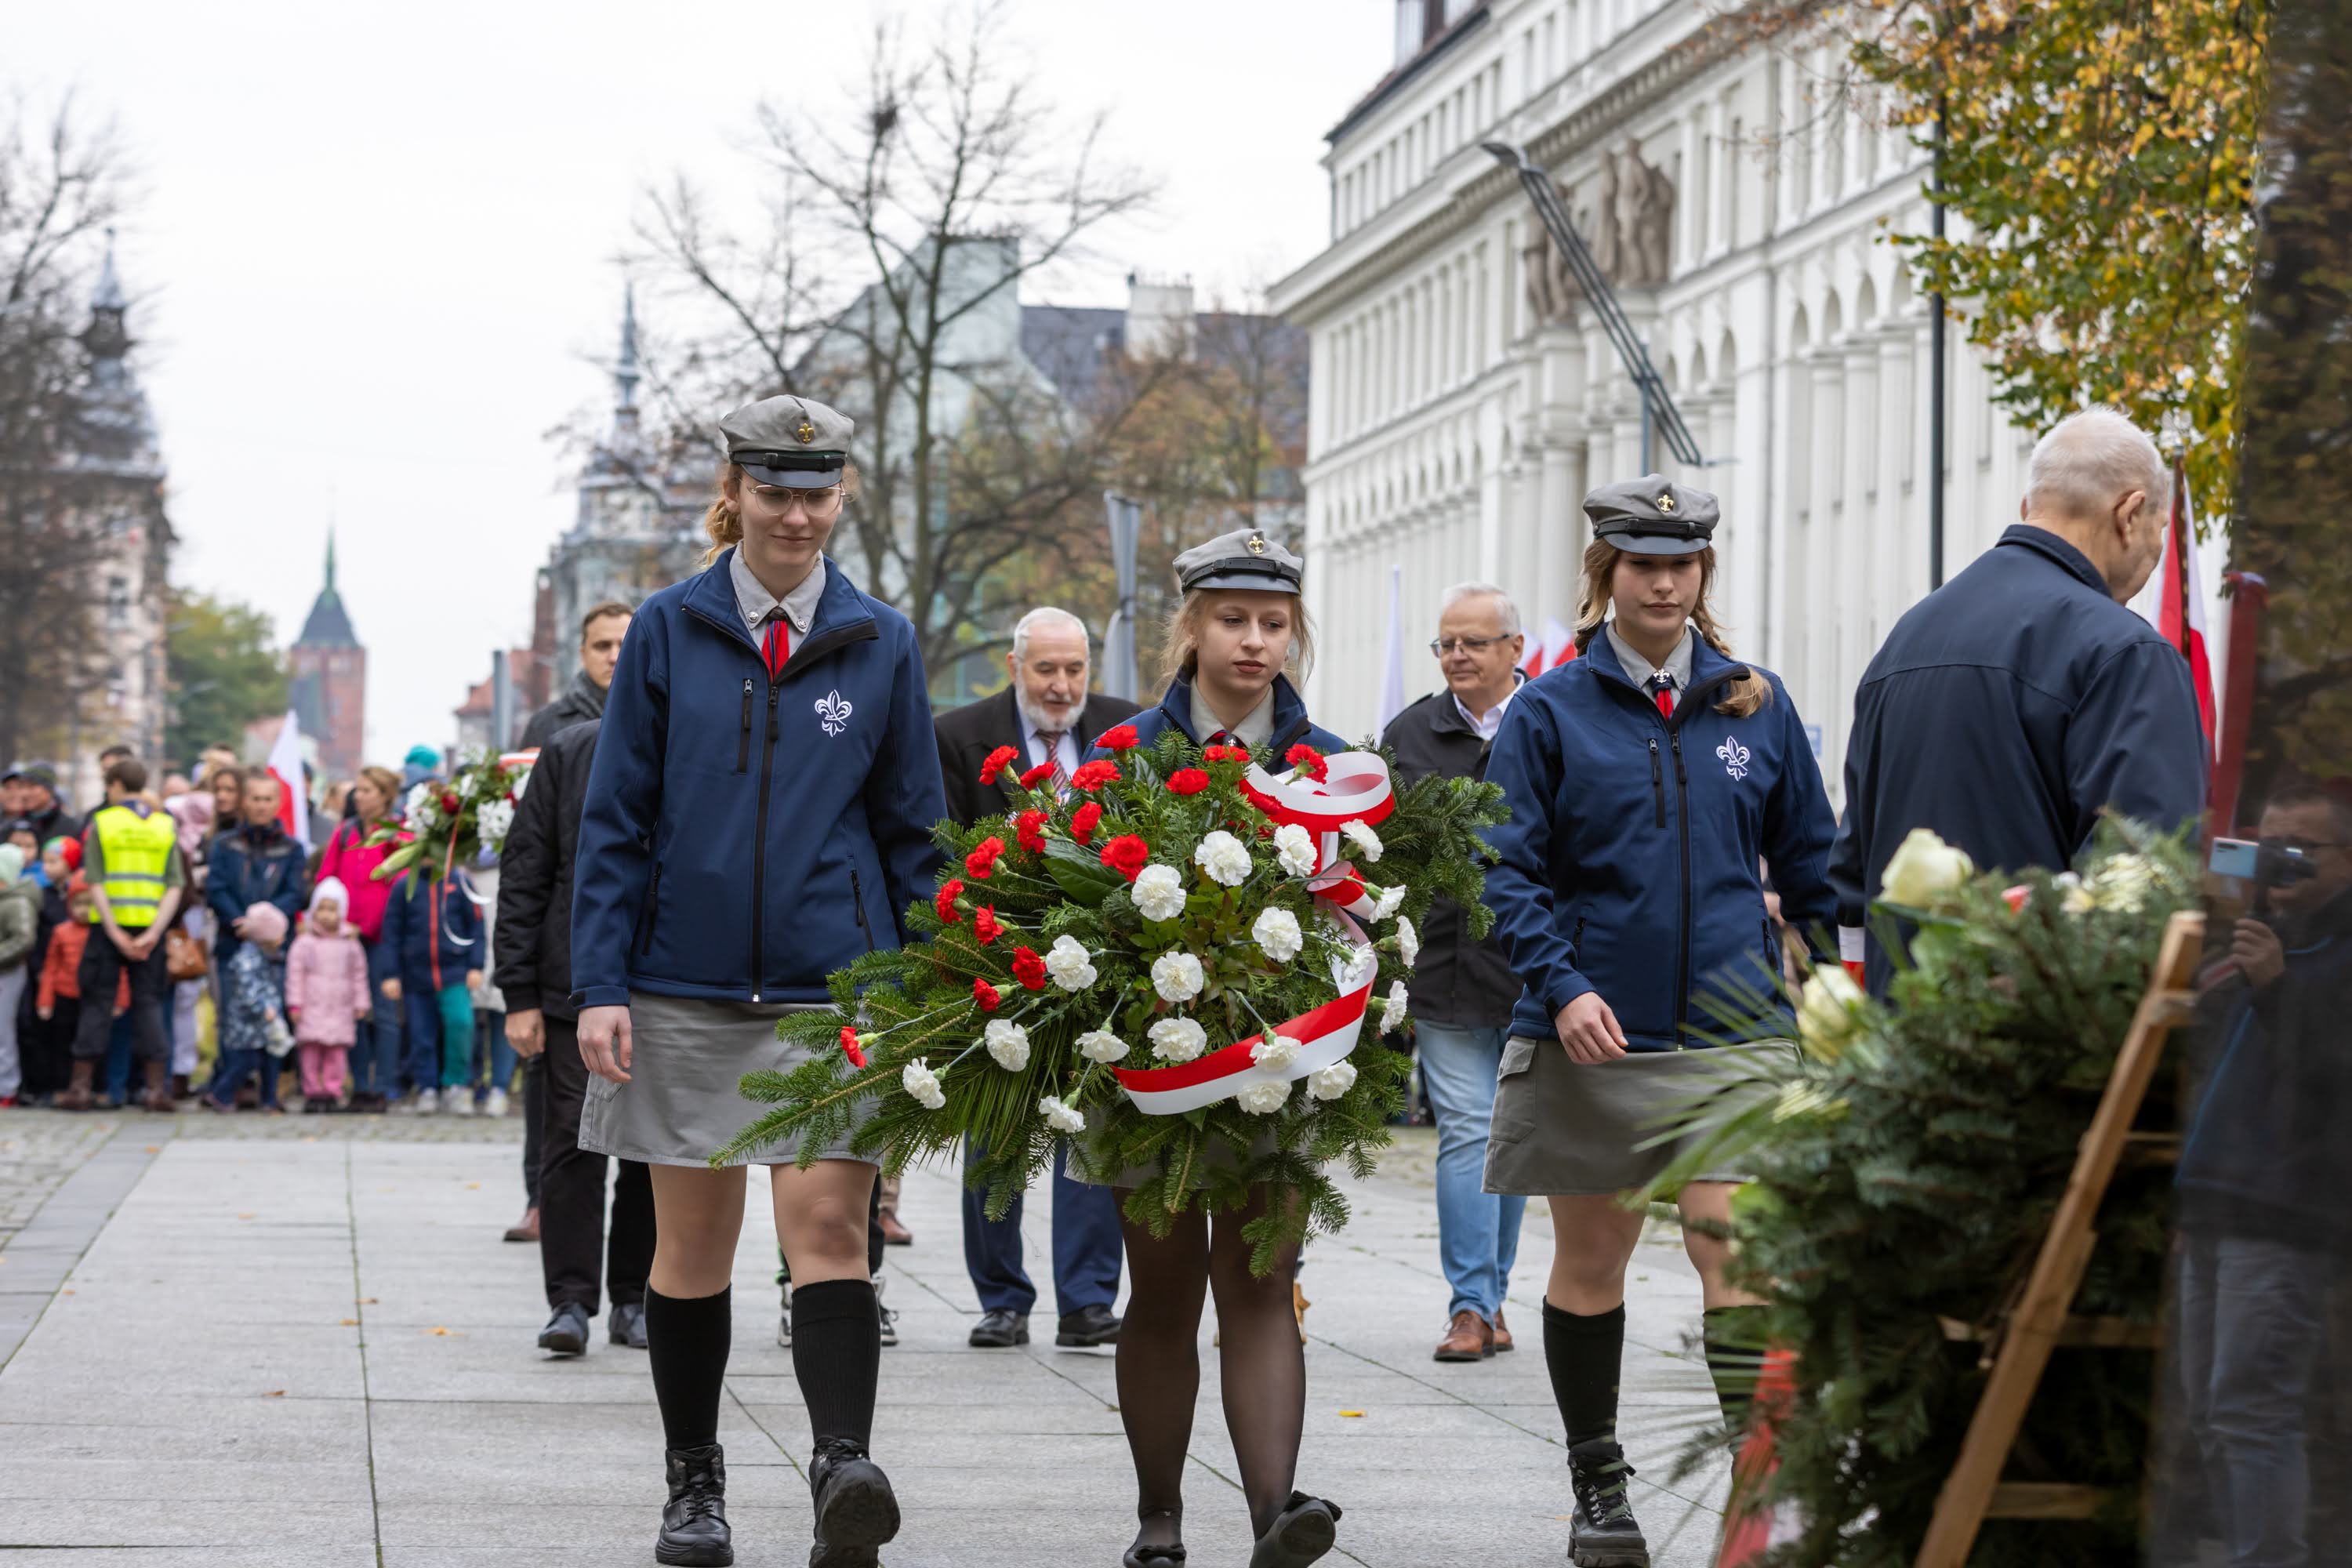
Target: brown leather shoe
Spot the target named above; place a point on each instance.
(1467, 1338)
(893, 1233)
(1502, 1333)
(525, 1228)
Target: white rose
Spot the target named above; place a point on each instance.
(1390, 901)
(1060, 1117)
(1101, 1045)
(1008, 1042)
(1276, 933)
(1275, 1054)
(1294, 846)
(1331, 1082)
(1179, 1039)
(1177, 976)
(1827, 1013)
(1262, 1099)
(1924, 868)
(923, 1084)
(1159, 893)
(1225, 858)
(1367, 842)
(1070, 964)
(1408, 942)
(1393, 1015)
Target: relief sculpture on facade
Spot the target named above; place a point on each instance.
(1629, 228)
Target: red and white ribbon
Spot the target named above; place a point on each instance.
(1355, 790)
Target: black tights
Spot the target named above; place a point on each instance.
(1262, 1366)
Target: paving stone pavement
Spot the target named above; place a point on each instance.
(301, 1340)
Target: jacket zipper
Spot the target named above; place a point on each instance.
(857, 898)
(743, 746)
(653, 912)
(1657, 781)
(759, 847)
(1682, 812)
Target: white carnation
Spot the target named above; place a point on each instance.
(1275, 1054)
(2126, 883)
(1070, 964)
(1225, 858)
(492, 821)
(1262, 1099)
(1060, 1117)
(1294, 846)
(1101, 1045)
(1408, 942)
(1008, 1042)
(922, 1083)
(1177, 976)
(1179, 1039)
(1276, 933)
(423, 807)
(1393, 1016)
(1159, 893)
(1359, 832)
(1390, 901)
(1331, 1082)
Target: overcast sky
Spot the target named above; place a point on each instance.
(374, 255)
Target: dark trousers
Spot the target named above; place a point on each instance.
(571, 1193)
(102, 965)
(234, 1066)
(49, 1047)
(1086, 1246)
(534, 1117)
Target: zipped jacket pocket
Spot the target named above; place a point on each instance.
(858, 901)
(1657, 781)
(743, 745)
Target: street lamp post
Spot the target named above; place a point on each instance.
(1126, 519)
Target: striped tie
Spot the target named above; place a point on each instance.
(1052, 741)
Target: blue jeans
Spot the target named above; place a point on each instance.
(2251, 1326)
(1088, 1246)
(375, 1055)
(229, 1075)
(1478, 1231)
(490, 1043)
(121, 1041)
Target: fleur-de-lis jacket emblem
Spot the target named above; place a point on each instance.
(1735, 757)
(833, 711)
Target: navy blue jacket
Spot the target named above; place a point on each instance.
(253, 866)
(2004, 710)
(410, 926)
(1291, 725)
(742, 837)
(1629, 865)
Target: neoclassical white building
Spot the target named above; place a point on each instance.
(1465, 396)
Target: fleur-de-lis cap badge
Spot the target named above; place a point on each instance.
(1256, 544)
(1666, 502)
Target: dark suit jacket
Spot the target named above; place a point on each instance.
(967, 734)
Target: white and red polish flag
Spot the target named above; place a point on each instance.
(286, 766)
(1555, 647)
(2180, 612)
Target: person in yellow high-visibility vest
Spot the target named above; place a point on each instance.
(131, 856)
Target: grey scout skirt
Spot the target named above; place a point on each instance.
(1566, 1128)
(682, 1102)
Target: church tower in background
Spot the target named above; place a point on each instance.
(328, 691)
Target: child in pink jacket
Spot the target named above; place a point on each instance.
(326, 994)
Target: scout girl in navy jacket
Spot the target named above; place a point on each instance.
(1646, 781)
(758, 815)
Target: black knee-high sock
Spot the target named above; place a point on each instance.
(837, 1356)
(686, 1340)
(1583, 1355)
(1735, 1349)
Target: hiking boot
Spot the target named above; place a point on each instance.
(855, 1511)
(694, 1531)
(1603, 1534)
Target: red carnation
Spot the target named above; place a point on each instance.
(1028, 968)
(1029, 828)
(1037, 776)
(1187, 781)
(1082, 824)
(1214, 754)
(1126, 855)
(1307, 760)
(1237, 753)
(449, 802)
(1120, 739)
(849, 1047)
(985, 994)
(1095, 774)
(982, 860)
(998, 761)
(949, 890)
(985, 926)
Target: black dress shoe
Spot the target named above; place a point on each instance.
(855, 1509)
(624, 1322)
(1095, 1325)
(567, 1332)
(694, 1521)
(1303, 1533)
(1001, 1329)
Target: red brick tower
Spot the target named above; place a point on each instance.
(329, 692)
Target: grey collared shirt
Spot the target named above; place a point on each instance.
(1254, 731)
(757, 606)
(1639, 669)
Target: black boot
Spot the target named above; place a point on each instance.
(694, 1521)
(1603, 1534)
(855, 1512)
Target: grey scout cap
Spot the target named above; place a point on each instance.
(1650, 516)
(795, 442)
(1246, 558)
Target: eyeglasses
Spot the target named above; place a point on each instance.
(818, 504)
(1443, 646)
